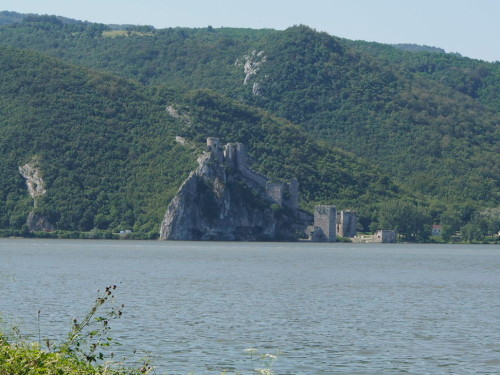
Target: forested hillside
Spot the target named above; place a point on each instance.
(108, 155)
(105, 147)
(435, 139)
(425, 119)
(429, 119)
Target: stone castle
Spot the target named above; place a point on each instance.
(224, 200)
(206, 207)
(328, 222)
(233, 155)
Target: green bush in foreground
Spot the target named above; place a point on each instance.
(28, 358)
(25, 358)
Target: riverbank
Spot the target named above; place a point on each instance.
(128, 235)
(76, 235)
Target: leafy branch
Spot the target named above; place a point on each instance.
(88, 337)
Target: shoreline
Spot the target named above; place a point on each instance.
(67, 235)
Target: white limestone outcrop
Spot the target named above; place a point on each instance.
(32, 173)
(34, 181)
(251, 65)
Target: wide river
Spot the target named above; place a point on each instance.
(326, 308)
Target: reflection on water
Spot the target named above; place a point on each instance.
(328, 308)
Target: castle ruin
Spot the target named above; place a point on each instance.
(328, 222)
(196, 213)
(381, 236)
(346, 223)
(234, 155)
(325, 223)
(207, 208)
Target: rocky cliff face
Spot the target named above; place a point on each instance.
(34, 181)
(36, 189)
(213, 204)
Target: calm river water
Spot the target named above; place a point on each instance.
(327, 308)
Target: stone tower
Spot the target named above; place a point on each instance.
(325, 220)
(214, 145)
(346, 223)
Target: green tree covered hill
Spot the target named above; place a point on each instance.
(429, 119)
(106, 147)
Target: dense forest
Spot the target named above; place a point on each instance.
(97, 140)
(378, 128)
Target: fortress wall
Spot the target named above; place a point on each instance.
(214, 145)
(381, 236)
(353, 223)
(230, 155)
(241, 165)
(254, 177)
(235, 156)
(274, 191)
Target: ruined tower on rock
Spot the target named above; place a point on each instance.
(223, 199)
(214, 146)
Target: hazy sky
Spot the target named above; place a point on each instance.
(470, 27)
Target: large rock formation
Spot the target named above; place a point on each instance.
(218, 202)
(36, 189)
(34, 181)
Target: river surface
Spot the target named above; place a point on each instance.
(326, 308)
